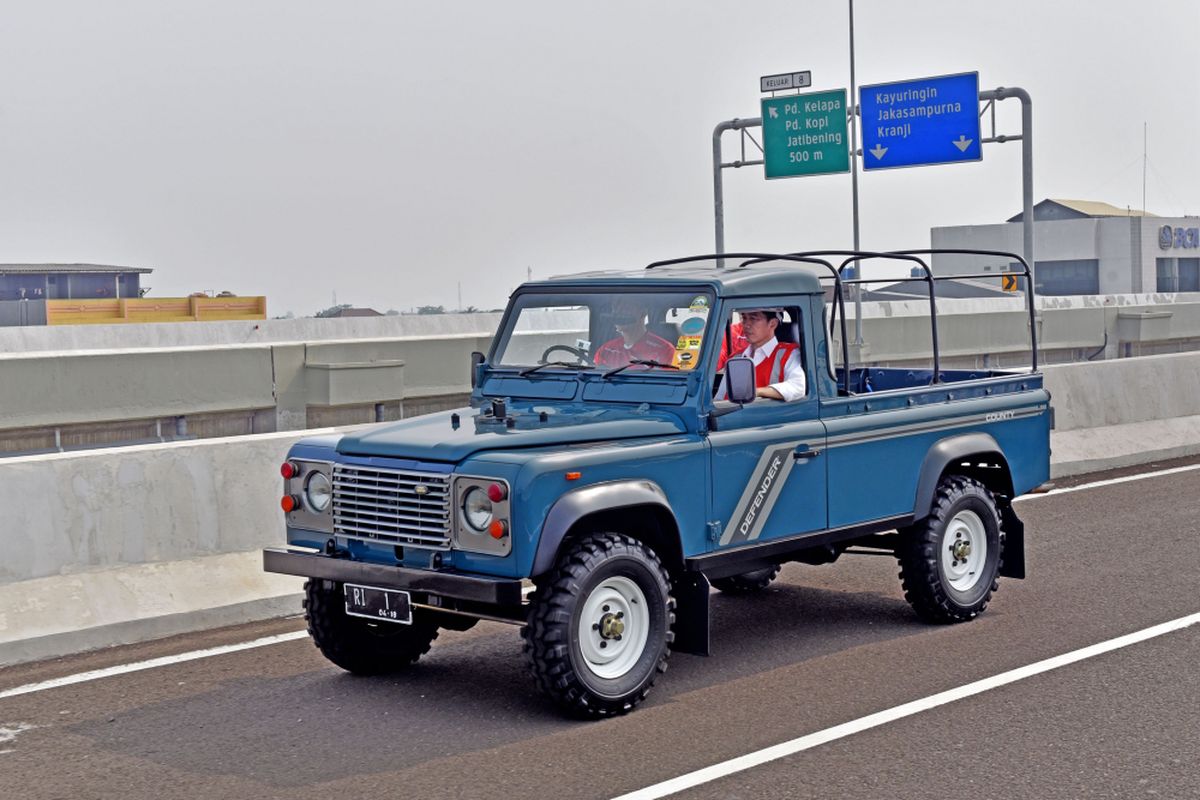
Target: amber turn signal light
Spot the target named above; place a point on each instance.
(498, 529)
(289, 503)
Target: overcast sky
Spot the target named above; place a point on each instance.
(388, 151)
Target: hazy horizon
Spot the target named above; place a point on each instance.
(388, 152)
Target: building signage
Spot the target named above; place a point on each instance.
(1184, 238)
(918, 122)
(805, 134)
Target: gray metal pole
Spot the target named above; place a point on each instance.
(1026, 166)
(1027, 179)
(718, 189)
(858, 340)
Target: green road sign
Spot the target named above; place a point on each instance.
(805, 134)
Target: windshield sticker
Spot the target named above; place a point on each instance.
(699, 304)
(693, 325)
(687, 353)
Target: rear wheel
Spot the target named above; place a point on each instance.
(599, 631)
(748, 582)
(360, 645)
(950, 560)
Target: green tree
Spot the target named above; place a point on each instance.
(332, 311)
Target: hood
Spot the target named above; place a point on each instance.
(436, 437)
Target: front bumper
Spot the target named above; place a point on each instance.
(473, 588)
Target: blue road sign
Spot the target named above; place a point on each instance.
(919, 122)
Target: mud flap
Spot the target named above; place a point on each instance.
(691, 592)
(1013, 565)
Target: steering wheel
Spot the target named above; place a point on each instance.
(580, 355)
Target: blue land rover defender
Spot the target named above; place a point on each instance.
(614, 464)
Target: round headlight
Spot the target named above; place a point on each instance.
(477, 508)
(318, 492)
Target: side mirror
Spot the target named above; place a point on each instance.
(739, 380)
(477, 361)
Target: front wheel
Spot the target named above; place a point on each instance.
(950, 560)
(360, 645)
(599, 631)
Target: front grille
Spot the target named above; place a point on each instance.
(409, 509)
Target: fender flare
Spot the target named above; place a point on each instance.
(942, 453)
(579, 503)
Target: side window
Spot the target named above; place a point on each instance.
(752, 327)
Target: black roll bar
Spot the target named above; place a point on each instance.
(818, 257)
(1026, 271)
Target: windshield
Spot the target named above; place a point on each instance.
(655, 330)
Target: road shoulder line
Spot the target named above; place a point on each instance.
(153, 663)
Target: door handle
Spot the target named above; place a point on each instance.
(804, 452)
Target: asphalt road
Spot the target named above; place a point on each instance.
(826, 645)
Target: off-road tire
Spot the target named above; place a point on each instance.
(929, 585)
(748, 582)
(359, 645)
(553, 638)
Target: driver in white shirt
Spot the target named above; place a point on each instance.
(778, 369)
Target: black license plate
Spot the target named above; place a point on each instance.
(387, 605)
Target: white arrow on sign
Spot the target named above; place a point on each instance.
(963, 143)
(878, 151)
(774, 112)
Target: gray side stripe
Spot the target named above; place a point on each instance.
(861, 437)
(760, 494)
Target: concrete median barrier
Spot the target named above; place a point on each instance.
(125, 544)
(1127, 411)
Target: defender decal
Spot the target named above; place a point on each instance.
(760, 494)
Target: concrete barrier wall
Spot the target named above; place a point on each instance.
(231, 367)
(60, 388)
(48, 388)
(191, 334)
(1105, 393)
(70, 512)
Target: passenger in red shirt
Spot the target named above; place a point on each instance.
(635, 341)
(739, 344)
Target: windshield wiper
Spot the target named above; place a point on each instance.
(645, 362)
(566, 364)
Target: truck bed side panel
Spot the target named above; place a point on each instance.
(877, 442)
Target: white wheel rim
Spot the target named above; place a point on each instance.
(614, 625)
(964, 551)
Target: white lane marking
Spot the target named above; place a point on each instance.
(776, 752)
(7, 734)
(1141, 476)
(138, 666)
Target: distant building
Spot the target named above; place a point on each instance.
(97, 294)
(69, 281)
(355, 312)
(1086, 247)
